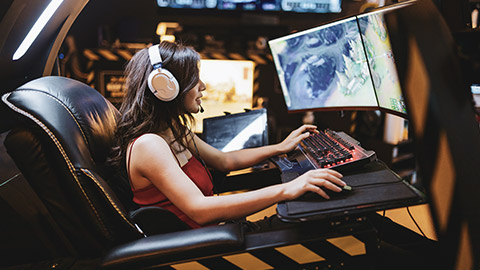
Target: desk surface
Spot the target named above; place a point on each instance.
(375, 187)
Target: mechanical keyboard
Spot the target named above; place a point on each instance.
(326, 149)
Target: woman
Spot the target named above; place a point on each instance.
(163, 157)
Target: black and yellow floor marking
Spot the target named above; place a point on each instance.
(330, 251)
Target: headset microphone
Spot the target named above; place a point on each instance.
(201, 109)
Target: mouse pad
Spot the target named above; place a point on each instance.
(373, 186)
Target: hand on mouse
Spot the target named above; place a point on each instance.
(316, 181)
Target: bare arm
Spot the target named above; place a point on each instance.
(152, 161)
(248, 157)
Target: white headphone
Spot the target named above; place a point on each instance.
(161, 82)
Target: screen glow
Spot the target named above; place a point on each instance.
(229, 88)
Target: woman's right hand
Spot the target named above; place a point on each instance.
(294, 138)
(314, 181)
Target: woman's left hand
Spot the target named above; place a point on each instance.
(294, 138)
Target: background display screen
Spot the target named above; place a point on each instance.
(305, 6)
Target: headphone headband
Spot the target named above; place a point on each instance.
(155, 57)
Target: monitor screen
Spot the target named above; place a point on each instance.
(191, 4)
(347, 64)
(266, 5)
(237, 131)
(229, 88)
(475, 89)
(382, 64)
(311, 6)
(305, 6)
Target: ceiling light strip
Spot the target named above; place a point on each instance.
(37, 27)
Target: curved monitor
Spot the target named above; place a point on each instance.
(346, 64)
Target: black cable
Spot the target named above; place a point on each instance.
(204, 165)
(418, 227)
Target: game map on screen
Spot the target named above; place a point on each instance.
(344, 64)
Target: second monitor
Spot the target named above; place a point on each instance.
(237, 131)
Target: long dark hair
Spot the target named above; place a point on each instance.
(141, 112)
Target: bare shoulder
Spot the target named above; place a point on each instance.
(151, 142)
(151, 158)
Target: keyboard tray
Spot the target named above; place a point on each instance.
(375, 187)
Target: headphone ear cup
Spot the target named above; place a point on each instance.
(163, 84)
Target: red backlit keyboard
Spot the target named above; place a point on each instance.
(331, 149)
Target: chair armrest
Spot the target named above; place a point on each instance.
(156, 220)
(175, 247)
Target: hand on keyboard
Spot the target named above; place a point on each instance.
(295, 137)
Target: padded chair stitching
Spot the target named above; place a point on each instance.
(89, 174)
(66, 108)
(62, 151)
(45, 128)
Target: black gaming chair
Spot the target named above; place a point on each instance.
(60, 143)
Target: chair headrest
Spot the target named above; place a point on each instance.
(77, 115)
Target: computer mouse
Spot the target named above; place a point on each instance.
(346, 190)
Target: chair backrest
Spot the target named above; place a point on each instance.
(63, 134)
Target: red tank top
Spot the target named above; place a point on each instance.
(151, 196)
